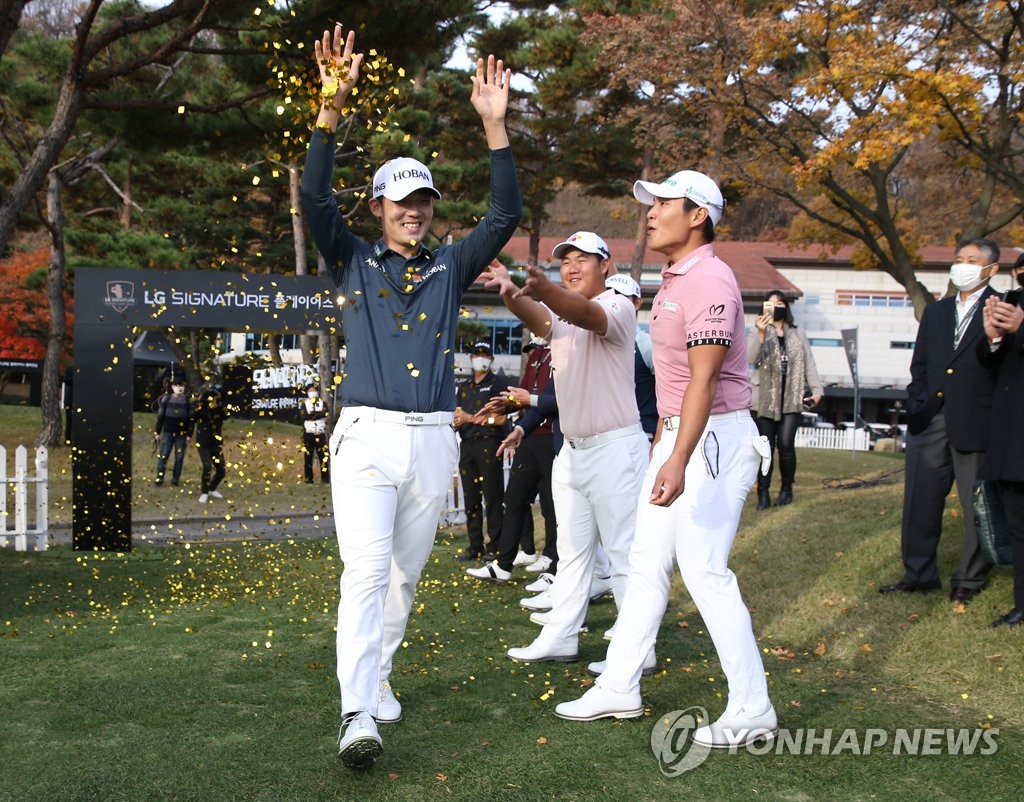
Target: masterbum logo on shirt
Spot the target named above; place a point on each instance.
(676, 752)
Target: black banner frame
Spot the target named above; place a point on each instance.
(109, 304)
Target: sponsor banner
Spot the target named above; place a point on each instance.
(267, 392)
(207, 299)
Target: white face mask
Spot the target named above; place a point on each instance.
(480, 363)
(177, 389)
(965, 277)
(313, 393)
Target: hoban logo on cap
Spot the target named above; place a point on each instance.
(401, 175)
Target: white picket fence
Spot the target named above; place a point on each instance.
(20, 483)
(841, 439)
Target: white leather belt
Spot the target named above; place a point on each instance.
(404, 418)
(603, 437)
(672, 423)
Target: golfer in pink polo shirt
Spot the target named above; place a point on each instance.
(704, 460)
(595, 479)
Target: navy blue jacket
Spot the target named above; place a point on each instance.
(398, 315)
(546, 409)
(953, 381)
(1005, 457)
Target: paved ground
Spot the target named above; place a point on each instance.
(204, 528)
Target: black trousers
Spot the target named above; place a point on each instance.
(1013, 505)
(931, 467)
(212, 458)
(313, 443)
(781, 434)
(530, 476)
(483, 483)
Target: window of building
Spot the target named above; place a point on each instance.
(825, 342)
(902, 344)
(877, 299)
(505, 337)
(257, 341)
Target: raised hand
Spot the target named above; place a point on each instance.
(490, 89)
(338, 65)
(497, 277)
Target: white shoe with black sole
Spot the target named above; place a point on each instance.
(359, 743)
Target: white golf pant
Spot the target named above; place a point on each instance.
(389, 483)
(594, 485)
(697, 533)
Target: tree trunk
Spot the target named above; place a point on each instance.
(126, 201)
(51, 433)
(196, 374)
(274, 346)
(324, 372)
(636, 268)
(47, 150)
(307, 340)
(10, 18)
(534, 257)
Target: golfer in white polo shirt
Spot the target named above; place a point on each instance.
(596, 475)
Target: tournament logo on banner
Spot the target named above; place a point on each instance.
(120, 295)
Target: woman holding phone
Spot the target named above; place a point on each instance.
(785, 366)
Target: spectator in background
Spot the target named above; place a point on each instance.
(481, 470)
(1004, 346)
(949, 407)
(209, 424)
(173, 430)
(785, 367)
(530, 474)
(314, 434)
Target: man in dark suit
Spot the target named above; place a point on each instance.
(949, 407)
(1004, 345)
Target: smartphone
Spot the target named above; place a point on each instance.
(768, 308)
(1012, 297)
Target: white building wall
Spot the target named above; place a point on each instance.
(880, 364)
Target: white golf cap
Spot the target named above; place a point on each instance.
(623, 284)
(586, 241)
(397, 179)
(698, 187)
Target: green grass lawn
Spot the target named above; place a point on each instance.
(206, 672)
